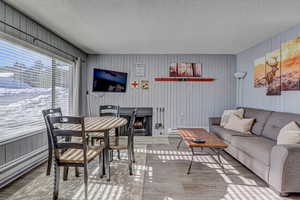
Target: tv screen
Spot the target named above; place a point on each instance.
(109, 81)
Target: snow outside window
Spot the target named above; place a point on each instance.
(30, 82)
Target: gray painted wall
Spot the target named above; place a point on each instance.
(13, 151)
(188, 104)
(256, 97)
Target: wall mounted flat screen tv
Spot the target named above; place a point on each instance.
(109, 81)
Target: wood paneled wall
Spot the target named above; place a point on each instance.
(187, 104)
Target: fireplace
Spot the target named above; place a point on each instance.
(143, 121)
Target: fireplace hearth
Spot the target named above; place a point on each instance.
(143, 121)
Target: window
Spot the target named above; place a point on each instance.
(30, 82)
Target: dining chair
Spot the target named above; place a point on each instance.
(130, 142)
(113, 111)
(53, 112)
(75, 153)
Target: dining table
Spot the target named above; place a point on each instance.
(102, 124)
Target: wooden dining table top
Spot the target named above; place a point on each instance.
(98, 124)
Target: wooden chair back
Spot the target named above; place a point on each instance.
(52, 112)
(131, 123)
(66, 126)
(109, 110)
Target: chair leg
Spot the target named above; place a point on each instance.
(49, 162)
(100, 165)
(77, 174)
(119, 155)
(132, 151)
(66, 171)
(111, 155)
(103, 164)
(130, 160)
(56, 181)
(133, 156)
(85, 182)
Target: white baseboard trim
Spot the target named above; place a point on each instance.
(16, 168)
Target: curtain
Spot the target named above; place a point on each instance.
(76, 87)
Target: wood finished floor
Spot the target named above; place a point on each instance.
(166, 179)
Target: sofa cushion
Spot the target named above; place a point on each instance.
(289, 134)
(236, 123)
(227, 113)
(276, 121)
(257, 147)
(260, 117)
(223, 133)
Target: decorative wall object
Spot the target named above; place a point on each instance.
(279, 70)
(185, 70)
(134, 84)
(145, 84)
(290, 65)
(259, 72)
(186, 79)
(139, 70)
(273, 74)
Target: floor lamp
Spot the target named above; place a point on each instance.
(239, 77)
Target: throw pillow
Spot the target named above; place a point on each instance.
(238, 124)
(227, 113)
(289, 134)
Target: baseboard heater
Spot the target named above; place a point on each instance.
(18, 167)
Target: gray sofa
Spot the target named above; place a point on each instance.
(278, 165)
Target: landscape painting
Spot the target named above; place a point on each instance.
(259, 72)
(185, 70)
(290, 65)
(273, 73)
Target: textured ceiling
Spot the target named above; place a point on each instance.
(163, 26)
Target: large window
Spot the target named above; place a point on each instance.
(30, 82)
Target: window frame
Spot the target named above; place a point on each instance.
(32, 47)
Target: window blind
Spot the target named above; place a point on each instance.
(63, 86)
(30, 82)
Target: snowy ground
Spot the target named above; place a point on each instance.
(20, 109)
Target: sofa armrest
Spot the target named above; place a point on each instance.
(214, 121)
(284, 173)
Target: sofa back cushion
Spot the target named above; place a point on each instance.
(276, 121)
(260, 116)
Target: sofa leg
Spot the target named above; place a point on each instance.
(284, 194)
(281, 194)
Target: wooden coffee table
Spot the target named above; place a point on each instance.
(215, 144)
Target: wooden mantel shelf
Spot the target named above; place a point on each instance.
(186, 79)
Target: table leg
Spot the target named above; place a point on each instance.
(103, 164)
(217, 152)
(107, 157)
(219, 158)
(178, 145)
(129, 154)
(117, 134)
(190, 166)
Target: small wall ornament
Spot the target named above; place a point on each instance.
(134, 84)
(145, 84)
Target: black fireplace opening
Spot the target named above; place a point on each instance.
(143, 121)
